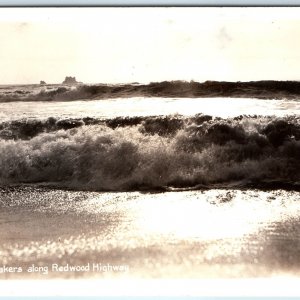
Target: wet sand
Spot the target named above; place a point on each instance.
(193, 234)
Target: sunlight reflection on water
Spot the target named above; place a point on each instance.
(213, 214)
(201, 233)
(138, 106)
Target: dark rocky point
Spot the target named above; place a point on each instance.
(70, 80)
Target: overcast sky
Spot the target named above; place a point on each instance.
(113, 45)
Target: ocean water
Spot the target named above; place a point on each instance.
(180, 187)
(140, 106)
(146, 143)
(189, 234)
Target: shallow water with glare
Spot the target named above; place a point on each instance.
(194, 234)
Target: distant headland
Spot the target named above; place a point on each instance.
(71, 80)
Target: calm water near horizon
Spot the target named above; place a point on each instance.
(139, 106)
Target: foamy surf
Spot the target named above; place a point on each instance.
(144, 153)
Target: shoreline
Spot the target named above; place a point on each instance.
(253, 235)
(264, 186)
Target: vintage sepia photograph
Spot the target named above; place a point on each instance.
(149, 143)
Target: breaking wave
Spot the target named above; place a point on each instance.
(192, 89)
(144, 153)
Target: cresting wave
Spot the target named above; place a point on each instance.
(146, 153)
(63, 92)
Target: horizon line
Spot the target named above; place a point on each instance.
(147, 83)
